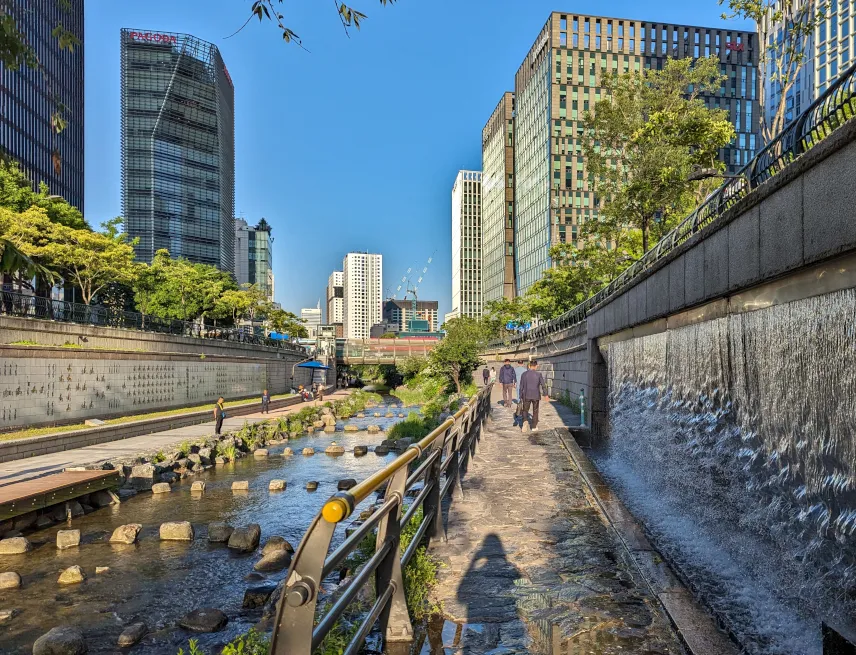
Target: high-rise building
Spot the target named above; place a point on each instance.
(311, 317)
(400, 313)
(178, 147)
(498, 202)
(362, 282)
(336, 302)
(31, 97)
(560, 80)
(467, 244)
(829, 51)
(254, 255)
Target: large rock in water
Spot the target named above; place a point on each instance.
(359, 451)
(72, 575)
(10, 580)
(132, 634)
(63, 640)
(334, 449)
(276, 560)
(219, 533)
(126, 534)
(102, 498)
(176, 531)
(161, 488)
(346, 484)
(246, 539)
(14, 546)
(277, 543)
(67, 539)
(255, 597)
(142, 477)
(204, 620)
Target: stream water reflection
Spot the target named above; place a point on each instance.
(158, 582)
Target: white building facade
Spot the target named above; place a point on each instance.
(336, 301)
(362, 286)
(467, 244)
(311, 317)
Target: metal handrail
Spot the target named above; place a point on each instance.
(447, 450)
(826, 114)
(22, 305)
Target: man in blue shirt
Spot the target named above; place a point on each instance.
(507, 378)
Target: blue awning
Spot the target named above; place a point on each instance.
(313, 364)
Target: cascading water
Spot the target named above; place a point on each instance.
(734, 440)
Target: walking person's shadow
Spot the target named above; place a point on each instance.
(487, 588)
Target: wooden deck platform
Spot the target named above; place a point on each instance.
(22, 497)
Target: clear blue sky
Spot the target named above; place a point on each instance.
(354, 145)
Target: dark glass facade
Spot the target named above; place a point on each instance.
(29, 97)
(178, 147)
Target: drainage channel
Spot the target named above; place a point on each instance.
(696, 627)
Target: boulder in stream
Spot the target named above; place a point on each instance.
(219, 533)
(359, 451)
(241, 485)
(260, 453)
(67, 539)
(14, 546)
(276, 543)
(246, 539)
(126, 534)
(277, 485)
(132, 634)
(176, 531)
(334, 449)
(161, 488)
(198, 486)
(381, 450)
(62, 640)
(373, 429)
(10, 580)
(308, 451)
(274, 561)
(312, 485)
(346, 484)
(142, 477)
(204, 620)
(350, 427)
(102, 498)
(72, 575)
(256, 597)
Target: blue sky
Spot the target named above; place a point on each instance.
(355, 144)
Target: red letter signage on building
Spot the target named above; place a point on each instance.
(734, 46)
(153, 38)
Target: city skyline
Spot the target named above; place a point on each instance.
(280, 171)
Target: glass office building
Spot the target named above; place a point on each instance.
(29, 97)
(560, 80)
(254, 255)
(178, 147)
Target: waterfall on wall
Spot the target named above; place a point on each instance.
(735, 441)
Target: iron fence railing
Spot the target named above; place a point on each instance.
(26, 306)
(830, 111)
(431, 469)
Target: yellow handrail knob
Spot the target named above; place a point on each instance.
(335, 510)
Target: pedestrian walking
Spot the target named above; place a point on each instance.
(519, 370)
(265, 402)
(532, 385)
(485, 375)
(319, 392)
(219, 415)
(492, 375)
(508, 379)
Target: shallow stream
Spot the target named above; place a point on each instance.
(159, 582)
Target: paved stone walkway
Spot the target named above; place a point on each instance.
(25, 469)
(529, 565)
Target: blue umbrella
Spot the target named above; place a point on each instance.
(315, 366)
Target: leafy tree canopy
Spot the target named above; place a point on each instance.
(456, 356)
(16, 193)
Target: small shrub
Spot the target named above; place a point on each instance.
(251, 643)
(569, 401)
(229, 452)
(159, 457)
(184, 448)
(413, 427)
(193, 645)
(69, 344)
(25, 342)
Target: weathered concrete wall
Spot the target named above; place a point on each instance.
(802, 216)
(44, 386)
(53, 333)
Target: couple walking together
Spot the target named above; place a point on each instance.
(530, 387)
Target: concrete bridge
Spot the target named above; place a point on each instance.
(381, 351)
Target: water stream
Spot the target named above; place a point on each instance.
(158, 582)
(734, 441)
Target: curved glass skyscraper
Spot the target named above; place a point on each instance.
(178, 147)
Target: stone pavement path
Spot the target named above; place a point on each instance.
(25, 469)
(530, 566)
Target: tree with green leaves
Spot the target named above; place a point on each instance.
(285, 322)
(16, 193)
(456, 356)
(784, 32)
(498, 314)
(645, 137)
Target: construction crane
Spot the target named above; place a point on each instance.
(411, 288)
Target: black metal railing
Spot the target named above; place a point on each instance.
(439, 460)
(830, 111)
(25, 306)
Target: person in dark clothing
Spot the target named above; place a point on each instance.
(219, 415)
(265, 402)
(507, 378)
(532, 386)
(485, 375)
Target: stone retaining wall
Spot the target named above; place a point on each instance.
(54, 386)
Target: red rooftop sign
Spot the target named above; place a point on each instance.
(734, 46)
(149, 37)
